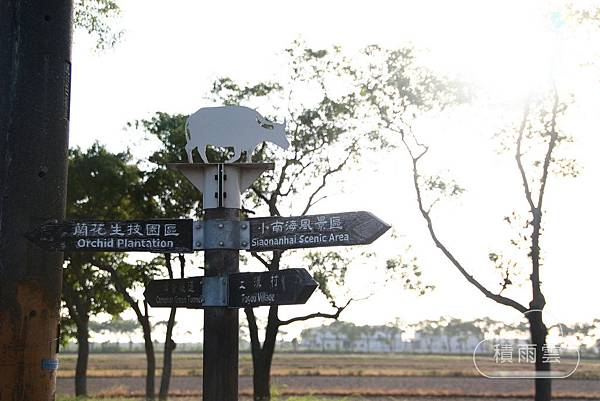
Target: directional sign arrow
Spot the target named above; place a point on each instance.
(335, 229)
(181, 292)
(282, 287)
(116, 236)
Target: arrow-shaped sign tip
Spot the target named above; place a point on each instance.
(370, 227)
(309, 285)
(47, 236)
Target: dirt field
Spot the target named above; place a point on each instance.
(373, 377)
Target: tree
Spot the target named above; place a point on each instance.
(168, 194)
(328, 136)
(100, 185)
(116, 325)
(533, 144)
(95, 17)
(325, 141)
(126, 277)
(106, 186)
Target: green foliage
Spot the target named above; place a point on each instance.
(544, 117)
(441, 186)
(408, 272)
(95, 17)
(116, 325)
(232, 94)
(398, 88)
(167, 193)
(324, 134)
(328, 268)
(101, 185)
(67, 327)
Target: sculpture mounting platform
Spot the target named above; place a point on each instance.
(216, 180)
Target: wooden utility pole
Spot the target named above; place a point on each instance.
(35, 76)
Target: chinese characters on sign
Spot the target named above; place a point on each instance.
(124, 236)
(121, 229)
(525, 353)
(302, 224)
(339, 229)
(282, 287)
(185, 292)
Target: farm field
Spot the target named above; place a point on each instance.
(349, 377)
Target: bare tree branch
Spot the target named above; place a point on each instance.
(262, 260)
(538, 300)
(496, 297)
(551, 146)
(518, 157)
(339, 167)
(334, 316)
(120, 286)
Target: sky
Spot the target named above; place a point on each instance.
(170, 53)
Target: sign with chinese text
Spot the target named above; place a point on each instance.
(173, 293)
(116, 236)
(282, 287)
(335, 229)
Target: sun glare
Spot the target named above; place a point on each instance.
(510, 51)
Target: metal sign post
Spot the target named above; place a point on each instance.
(223, 289)
(221, 186)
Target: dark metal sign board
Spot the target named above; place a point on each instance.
(335, 229)
(181, 292)
(283, 287)
(239, 290)
(116, 236)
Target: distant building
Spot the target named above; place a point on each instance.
(341, 336)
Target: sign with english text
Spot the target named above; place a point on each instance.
(282, 287)
(174, 293)
(116, 236)
(334, 229)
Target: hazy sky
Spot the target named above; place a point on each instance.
(172, 50)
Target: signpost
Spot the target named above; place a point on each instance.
(116, 236)
(175, 293)
(336, 229)
(237, 290)
(221, 235)
(283, 287)
(185, 236)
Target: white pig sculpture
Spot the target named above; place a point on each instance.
(231, 126)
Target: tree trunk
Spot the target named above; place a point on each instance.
(150, 358)
(83, 353)
(35, 86)
(144, 321)
(262, 357)
(165, 379)
(261, 378)
(538, 330)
